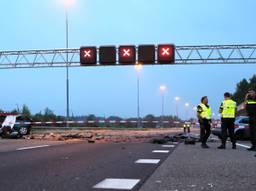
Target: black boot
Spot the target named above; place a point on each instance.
(253, 148)
(222, 147)
(205, 146)
(233, 146)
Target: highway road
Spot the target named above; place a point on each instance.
(51, 166)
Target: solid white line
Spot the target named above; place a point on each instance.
(118, 184)
(160, 151)
(241, 145)
(147, 161)
(168, 146)
(34, 147)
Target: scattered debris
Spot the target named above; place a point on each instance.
(187, 138)
(155, 136)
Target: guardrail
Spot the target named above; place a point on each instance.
(93, 122)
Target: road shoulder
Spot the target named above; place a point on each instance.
(191, 168)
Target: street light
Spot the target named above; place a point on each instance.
(176, 103)
(138, 68)
(67, 5)
(187, 107)
(195, 109)
(162, 89)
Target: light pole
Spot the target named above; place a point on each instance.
(138, 67)
(187, 107)
(195, 110)
(177, 99)
(162, 89)
(67, 4)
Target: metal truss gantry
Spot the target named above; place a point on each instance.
(208, 54)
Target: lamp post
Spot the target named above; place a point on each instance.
(187, 107)
(162, 89)
(138, 68)
(177, 99)
(67, 4)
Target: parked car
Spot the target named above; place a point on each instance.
(14, 125)
(242, 130)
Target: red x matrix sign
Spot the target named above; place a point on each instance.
(127, 54)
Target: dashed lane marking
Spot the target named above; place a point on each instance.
(34, 147)
(118, 184)
(168, 146)
(160, 151)
(147, 161)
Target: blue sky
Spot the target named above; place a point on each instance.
(30, 24)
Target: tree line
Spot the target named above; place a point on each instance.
(243, 87)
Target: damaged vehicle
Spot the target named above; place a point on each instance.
(14, 125)
(242, 130)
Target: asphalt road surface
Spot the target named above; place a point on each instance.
(52, 166)
(191, 168)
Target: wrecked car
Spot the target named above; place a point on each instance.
(14, 125)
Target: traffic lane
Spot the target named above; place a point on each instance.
(76, 166)
(7, 145)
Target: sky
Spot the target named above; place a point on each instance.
(106, 91)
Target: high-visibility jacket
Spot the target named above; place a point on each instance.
(250, 102)
(251, 107)
(228, 109)
(206, 111)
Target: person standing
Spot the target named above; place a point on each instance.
(228, 113)
(250, 106)
(204, 118)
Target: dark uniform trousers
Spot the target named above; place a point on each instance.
(252, 125)
(205, 130)
(227, 125)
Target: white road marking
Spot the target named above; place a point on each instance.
(118, 184)
(160, 151)
(168, 146)
(34, 147)
(241, 145)
(147, 161)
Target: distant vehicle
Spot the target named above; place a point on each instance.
(242, 130)
(14, 125)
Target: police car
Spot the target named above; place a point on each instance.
(242, 130)
(13, 125)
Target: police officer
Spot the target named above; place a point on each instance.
(250, 106)
(228, 112)
(186, 128)
(204, 118)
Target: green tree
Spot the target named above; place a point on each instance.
(25, 112)
(38, 116)
(49, 115)
(149, 118)
(242, 88)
